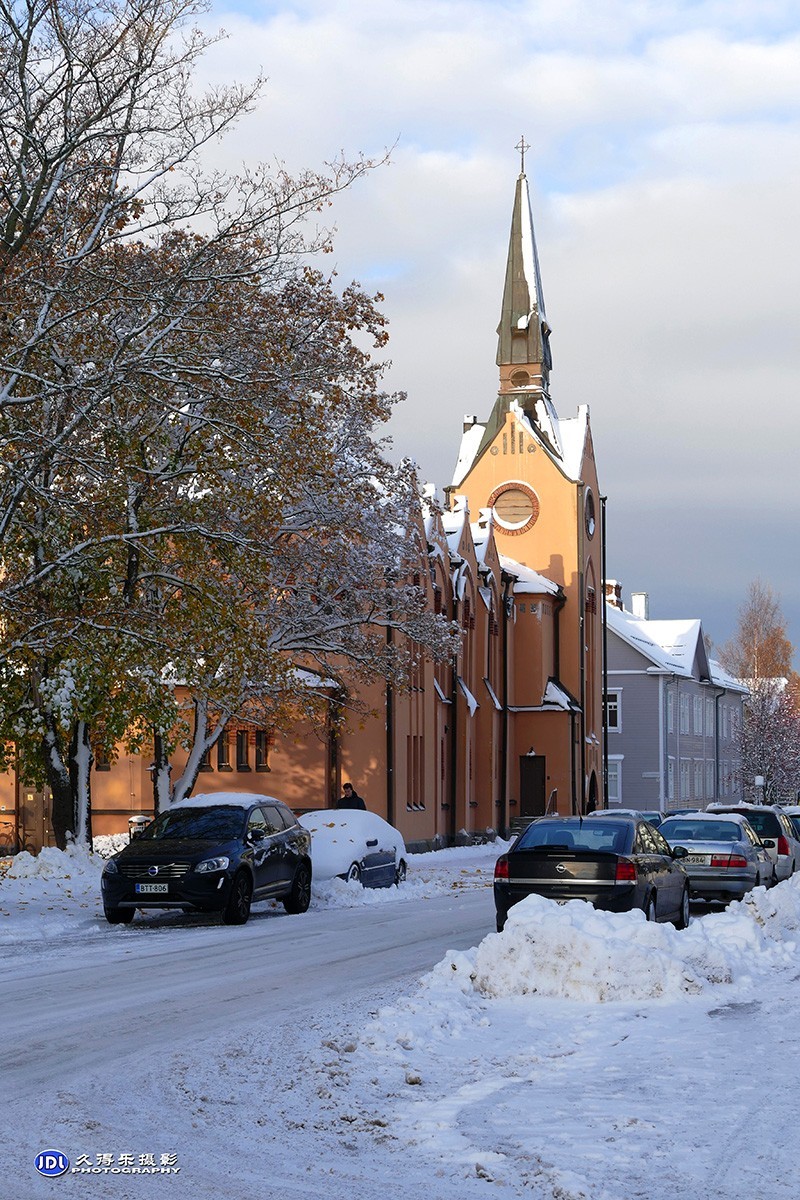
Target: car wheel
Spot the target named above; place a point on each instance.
(299, 897)
(400, 873)
(119, 916)
(354, 874)
(650, 908)
(237, 910)
(683, 913)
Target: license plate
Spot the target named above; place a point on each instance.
(696, 859)
(150, 889)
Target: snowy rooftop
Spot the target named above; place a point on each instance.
(670, 645)
(529, 582)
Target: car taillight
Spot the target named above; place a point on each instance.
(501, 868)
(626, 871)
(737, 861)
(783, 845)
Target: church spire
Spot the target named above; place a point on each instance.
(523, 347)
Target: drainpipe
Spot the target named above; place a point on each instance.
(335, 703)
(718, 694)
(508, 608)
(582, 610)
(389, 742)
(679, 788)
(558, 604)
(454, 731)
(603, 500)
(573, 780)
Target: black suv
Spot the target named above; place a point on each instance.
(212, 854)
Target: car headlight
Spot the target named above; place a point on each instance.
(110, 867)
(213, 864)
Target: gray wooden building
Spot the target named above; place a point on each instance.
(673, 713)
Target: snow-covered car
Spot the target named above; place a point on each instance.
(357, 845)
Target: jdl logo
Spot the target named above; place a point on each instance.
(51, 1162)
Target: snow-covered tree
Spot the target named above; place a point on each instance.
(188, 473)
(760, 654)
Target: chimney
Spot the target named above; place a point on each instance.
(614, 593)
(469, 421)
(640, 605)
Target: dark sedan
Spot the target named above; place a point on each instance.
(212, 854)
(617, 864)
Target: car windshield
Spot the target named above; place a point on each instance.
(219, 824)
(701, 831)
(609, 836)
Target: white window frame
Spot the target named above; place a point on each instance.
(698, 780)
(711, 782)
(684, 712)
(686, 779)
(698, 714)
(615, 770)
(670, 712)
(709, 717)
(670, 778)
(614, 695)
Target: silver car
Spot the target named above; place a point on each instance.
(775, 830)
(726, 857)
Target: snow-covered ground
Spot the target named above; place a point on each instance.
(576, 1056)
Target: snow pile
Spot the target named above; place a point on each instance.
(577, 953)
(573, 952)
(50, 863)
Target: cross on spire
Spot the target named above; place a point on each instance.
(522, 146)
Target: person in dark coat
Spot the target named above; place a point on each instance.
(351, 799)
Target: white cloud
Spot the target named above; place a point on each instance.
(666, 176)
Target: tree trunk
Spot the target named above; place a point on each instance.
(162, 768)
(80, 768)
(58, 778)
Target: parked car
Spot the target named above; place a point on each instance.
(617, 864)
(775, 830)
(355, 845)
(215, 853)
(641, 814)
(725, 859)
(793, 813)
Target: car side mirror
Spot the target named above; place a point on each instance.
(256, 835)
(680, 852)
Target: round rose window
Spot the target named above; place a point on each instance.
(515, 507)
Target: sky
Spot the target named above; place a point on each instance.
(579, 1054)
(665, 177)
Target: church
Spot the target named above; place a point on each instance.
(512, 727)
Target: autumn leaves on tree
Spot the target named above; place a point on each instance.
(761, 655)
(190, 488)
